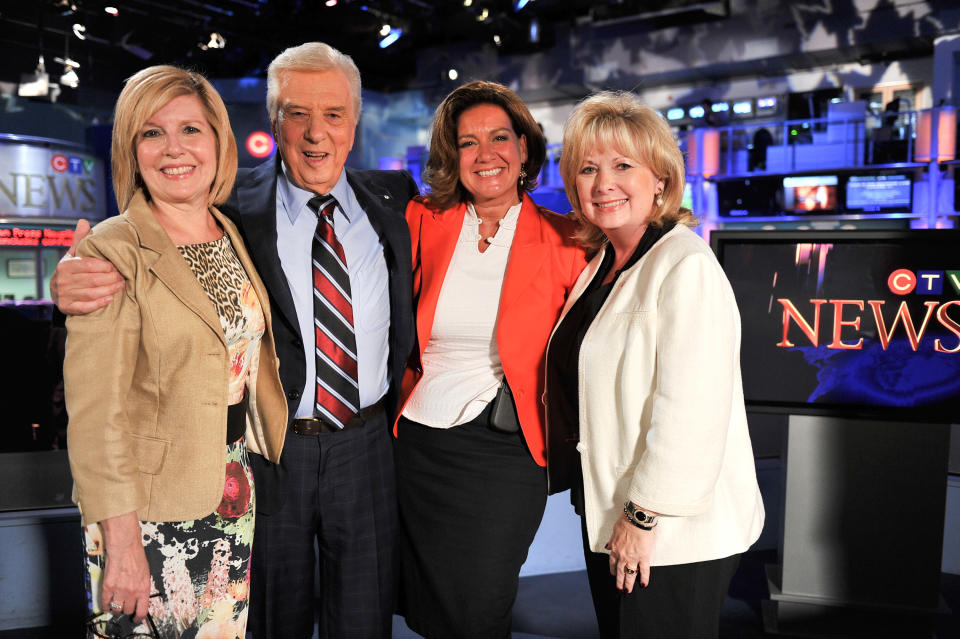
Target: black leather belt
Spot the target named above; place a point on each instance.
(316, 426)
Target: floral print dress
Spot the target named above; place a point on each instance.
(200, 569)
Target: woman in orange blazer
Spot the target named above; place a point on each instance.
(491, 272)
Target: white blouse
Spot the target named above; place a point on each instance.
(461, 365)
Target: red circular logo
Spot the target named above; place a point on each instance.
(260, 144)
(902, 281)
(59, 162)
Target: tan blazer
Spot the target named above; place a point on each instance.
(146, 381)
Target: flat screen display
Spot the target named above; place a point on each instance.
(810, 194)
(879, 193)
(852, 323)
(755, 196)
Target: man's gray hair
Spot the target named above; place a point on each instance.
(311, 56)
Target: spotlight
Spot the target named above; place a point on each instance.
(80, 31)
(36, 84)
(452, 74)
(497, 40)
(467, 3)
(385, 30)
(391, 37)
(70, 78)
(484, 14)
(112, 10)
(534, 31)
(331, 3)
(520, 4)
(216, 41)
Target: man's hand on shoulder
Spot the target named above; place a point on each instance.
(81, 285)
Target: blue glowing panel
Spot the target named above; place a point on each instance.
(676, 113)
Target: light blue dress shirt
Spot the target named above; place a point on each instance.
(369, 282)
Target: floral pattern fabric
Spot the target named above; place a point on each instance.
(220, 273)
(200, 568)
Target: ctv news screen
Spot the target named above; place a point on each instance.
(853, 323)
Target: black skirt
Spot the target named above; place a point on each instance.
(471, 500)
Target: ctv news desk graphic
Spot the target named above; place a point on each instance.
(850, 324)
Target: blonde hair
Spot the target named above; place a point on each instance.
(618, 120)
(148, 91)
(311, 56)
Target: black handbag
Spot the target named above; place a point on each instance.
(503, 411)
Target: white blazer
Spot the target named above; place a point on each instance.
(662, 420)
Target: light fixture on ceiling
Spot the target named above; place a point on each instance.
(80, 31)
(391, 37)
(216, 41)
(520, 4)
(69, 77)
(497, 40)
(36, 84)
(452, 74)
(111, 10)
(385, 30)
(331, 3)
(484, 14)
(467, 3)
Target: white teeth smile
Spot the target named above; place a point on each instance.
(490, 173)
(180, 170)
(607, 205)
(314, 155)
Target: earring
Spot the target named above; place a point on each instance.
(659, 199)
(523, 174)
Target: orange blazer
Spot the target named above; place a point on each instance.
(543, 266)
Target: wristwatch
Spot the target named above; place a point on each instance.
(639, 518)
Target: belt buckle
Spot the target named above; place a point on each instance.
(307, 426)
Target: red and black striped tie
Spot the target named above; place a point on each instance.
(338, 394)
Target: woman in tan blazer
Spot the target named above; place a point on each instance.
(170, 384)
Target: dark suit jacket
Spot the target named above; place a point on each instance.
(252, 206)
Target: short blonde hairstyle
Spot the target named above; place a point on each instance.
(618, 120)
(312, 56)
(148, 91)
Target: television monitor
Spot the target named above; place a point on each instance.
(810, 194)
(861, 324)
(879, 193)
(749, 197)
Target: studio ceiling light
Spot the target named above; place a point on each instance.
(391, 37)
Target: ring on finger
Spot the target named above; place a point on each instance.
(629, 570)
(115, 606)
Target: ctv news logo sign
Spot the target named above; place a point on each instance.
(72, 164)
(850, 317)
(38, 181)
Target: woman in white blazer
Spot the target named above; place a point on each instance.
(645, 414)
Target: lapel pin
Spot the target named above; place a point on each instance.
(386, 197)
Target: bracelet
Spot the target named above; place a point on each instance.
(638, 518)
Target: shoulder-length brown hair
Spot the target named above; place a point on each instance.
(618, 120)
(442, 172)
(144, 93)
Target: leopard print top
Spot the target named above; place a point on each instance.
(220, 273)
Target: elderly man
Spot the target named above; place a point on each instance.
(333, 250)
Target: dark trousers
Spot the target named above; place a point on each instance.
(340, 493)
(682, 601)
(471, 501)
